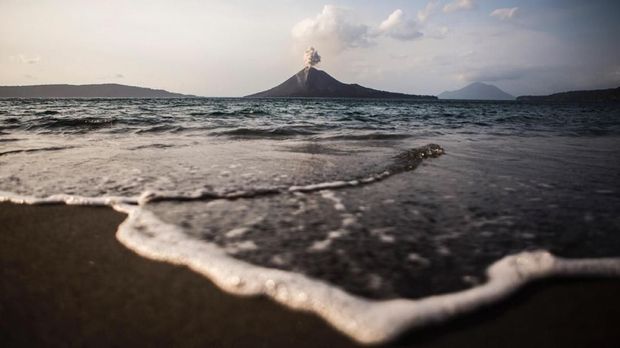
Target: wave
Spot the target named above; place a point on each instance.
(51, 148)
(405, 161)
(72, 123)
(241, 112)
(250, 111)
(161, 128)
(11, 120)
(263, 133)
(47, 112)
(366, 321)
(152, 146)
(369, 136)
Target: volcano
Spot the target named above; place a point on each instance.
(314, 83)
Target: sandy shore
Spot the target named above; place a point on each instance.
(66, 281)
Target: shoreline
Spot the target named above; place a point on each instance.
(66, 280)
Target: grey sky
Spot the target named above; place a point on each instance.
(234, 47)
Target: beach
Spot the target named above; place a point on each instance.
(66, 281)
(352, 174)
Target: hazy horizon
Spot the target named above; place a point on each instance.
(235, 48)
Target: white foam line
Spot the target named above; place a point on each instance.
(366, 321)
(323, 186)
(340, 184)
(66, 199)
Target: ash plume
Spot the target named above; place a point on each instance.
(311, 57)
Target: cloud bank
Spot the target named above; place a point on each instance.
(335, 29)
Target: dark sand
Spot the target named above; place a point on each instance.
(66, 281)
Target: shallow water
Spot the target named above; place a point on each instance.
(325, 188)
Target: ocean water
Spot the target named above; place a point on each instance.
(376, 215)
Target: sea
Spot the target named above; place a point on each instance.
(376, 215)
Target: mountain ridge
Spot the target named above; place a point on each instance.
(105, 90)
(477, 91)
(595, 95)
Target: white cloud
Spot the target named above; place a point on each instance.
(333, 29)
(459, 5)
(427, 11)
(399, 27)
(505, 13)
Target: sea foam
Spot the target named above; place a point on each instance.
(366, 321)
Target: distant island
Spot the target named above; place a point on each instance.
(599, 95)
(477, 91)
(313, 83)
(109, 90)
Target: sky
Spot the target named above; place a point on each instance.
(234, 47)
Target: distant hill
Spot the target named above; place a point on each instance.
(311, 82)
(110, 90)
(477, 91)
(599, 95)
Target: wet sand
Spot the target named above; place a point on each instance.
(66, 281)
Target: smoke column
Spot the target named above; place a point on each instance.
(311, 57)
